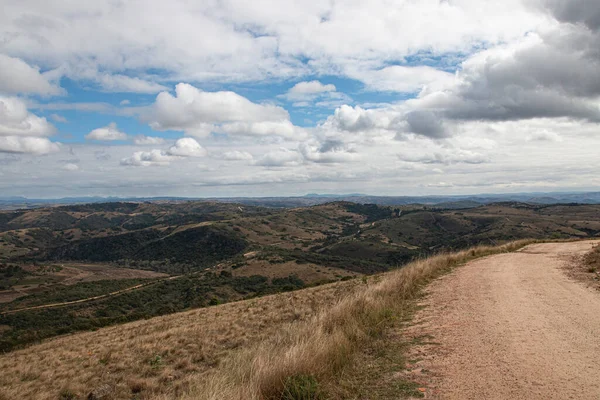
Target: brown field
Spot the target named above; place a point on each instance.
(245, 350)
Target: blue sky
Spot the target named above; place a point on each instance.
(289, 97)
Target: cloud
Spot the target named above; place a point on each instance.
(16, 120)
(400, 78)
(108, 133)
(586, 12)
(58, 118)
(142, 140)
(237, 155)
(394, 121)
(265, 128)
(234, 41)
(314, 93)
(309, 90)
(102, 155)
(83, 107)
(330, 151)
(183, 148)
(31, 145)
(281, 157)
(187, 147)
(70, 167)
(197, 112)
(148, 158)
(426, 123)
(454, 156)
(545, 75)
(125, 102)
(126, 84)
(311, 87)
(17, 77)
(544, 136)
(355, 119)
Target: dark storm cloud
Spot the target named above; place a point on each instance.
(551, 74)
(586, 12)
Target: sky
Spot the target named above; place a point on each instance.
(288, 97)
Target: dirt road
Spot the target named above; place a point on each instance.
(511, 326)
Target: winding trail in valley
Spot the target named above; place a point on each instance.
(510, 326)
(94, 298)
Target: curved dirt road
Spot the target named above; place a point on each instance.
(510, 326)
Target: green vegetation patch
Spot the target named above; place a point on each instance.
(164, 297)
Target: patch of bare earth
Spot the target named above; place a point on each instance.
(509, 326)
(585, 268)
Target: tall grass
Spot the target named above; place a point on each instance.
(307, 354)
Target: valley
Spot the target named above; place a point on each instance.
(110, 263)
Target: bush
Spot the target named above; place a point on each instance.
(67, 394)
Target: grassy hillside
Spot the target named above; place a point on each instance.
(298, 345)
(164, 297)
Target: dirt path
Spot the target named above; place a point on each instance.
(510, 326)
(94, 298)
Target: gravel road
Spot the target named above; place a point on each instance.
(510, 326)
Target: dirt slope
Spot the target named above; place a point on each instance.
(511, 326)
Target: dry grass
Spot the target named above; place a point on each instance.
(309, 355)
(156, 357)
(286, 346)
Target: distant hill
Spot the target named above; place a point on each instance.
(12, 203)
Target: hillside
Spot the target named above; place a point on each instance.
(310, 342)
(217, 253)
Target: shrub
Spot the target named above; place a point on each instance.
(67, 394)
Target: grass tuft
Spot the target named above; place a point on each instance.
(301, 387)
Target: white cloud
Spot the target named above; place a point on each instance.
(17, 77)
(237, 41)
(58, 118)
(304, 91)
(265, 128)
(305, 94)
(16, 120)
(358, 119)
(187, 147)
(453, 156)
(399, 78)
(237, 155)
(70, 167)
(544, 136)
(126, 84)
(142, 140)
(125, 102)
(280, 158)
(108, 133)
(148, 158)
(32, 145)
(183, 148)
(198, 113)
